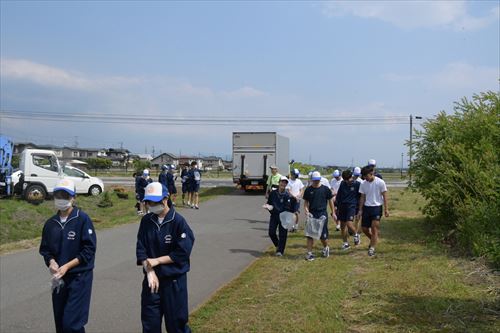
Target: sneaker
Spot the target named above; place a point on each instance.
(346, 246)
(294, 229)
(326, 252)
(192, 206)
(183, 203)
(357, 241)
(309, 256)
(337, 227)
(279, 254)
(371, 252)
(196, 207)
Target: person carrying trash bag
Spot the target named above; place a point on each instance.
(164, 244)
(68, 248)
(280, 201)
(317, 198)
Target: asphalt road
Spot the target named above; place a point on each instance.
(230, 231)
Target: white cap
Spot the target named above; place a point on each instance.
(372, 162)
(336, 173)
(357, 171)
(66, 185)
(296, 172)
(155, 192)
(145, 172)
(316, 175)
(273, 167)
(284, 178)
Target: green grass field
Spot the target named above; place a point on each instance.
(412, 285)
(21, 222)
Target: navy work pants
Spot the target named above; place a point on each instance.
(280, 240)
(71, 304)
(171, 302)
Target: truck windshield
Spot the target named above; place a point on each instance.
(46, 162)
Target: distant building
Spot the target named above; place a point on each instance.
(212, 163)
(165, 158)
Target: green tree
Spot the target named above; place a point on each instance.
(456, 168)
(99, 163)
(140, 165)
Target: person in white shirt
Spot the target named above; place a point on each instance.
(373, 200)
(356, 175)
(296, 188)
(334, 185)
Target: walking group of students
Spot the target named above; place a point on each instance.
(353, 196)
(163, 249)
(190, 180)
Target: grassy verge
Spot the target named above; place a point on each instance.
(21, 223)
(412, 285)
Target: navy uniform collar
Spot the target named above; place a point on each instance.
(168, 218)
(75, 213)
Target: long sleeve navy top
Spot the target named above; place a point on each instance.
(348, 194)
(72, 239)
(172, 237)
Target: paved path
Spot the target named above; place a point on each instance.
(230, 233)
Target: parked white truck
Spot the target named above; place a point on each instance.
(39, 172)
(254, 153)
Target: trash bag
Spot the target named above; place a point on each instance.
(288, 219)
(314, 227)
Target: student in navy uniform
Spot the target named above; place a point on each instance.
(194, 180)
(140, 186)
(373, 200)
(68, 248)
(356, 175)
(280, 200)
(162, 177)
(346, 200)
(172, 190)
(317, 198)
(184, 183)
(164, 244)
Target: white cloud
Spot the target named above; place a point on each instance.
(455, 76)
(156, 87)
(414, 14)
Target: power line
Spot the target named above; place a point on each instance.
(216, 120)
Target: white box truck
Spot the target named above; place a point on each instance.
(254, 153)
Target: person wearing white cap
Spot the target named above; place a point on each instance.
(373, 163)
(194, 182)
(357, 219)
(68, 248)
(335, 184)
(273, 180)
(373, 200)
(317, 198)
(163, 249)
(140, 186)
(279, 201)
(296, 188)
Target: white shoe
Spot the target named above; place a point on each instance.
(326, 252)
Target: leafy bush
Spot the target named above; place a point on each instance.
(99, 163)
(457, 168)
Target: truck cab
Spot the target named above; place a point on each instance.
(41, 172)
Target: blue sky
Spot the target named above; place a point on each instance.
(240, 58)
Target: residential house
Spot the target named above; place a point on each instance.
(212, 163)
(165, 158)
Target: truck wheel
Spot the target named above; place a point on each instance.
(95, 190)
(35, 194)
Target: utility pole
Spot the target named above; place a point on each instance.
(76, 141)
(401, 165)
(411, 145)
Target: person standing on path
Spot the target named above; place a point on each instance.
(373, 200)
(184, 174)
(163, 249)
(68, 248)
(317, 198)
(296, 188)
(273, 180)
(334, 185)
(194, 181)
(346, 200)
(280, 200)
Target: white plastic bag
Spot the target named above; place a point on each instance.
(288, 219)
(56, 284)
(314, 227)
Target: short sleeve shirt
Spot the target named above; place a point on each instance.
(295, 186)
(318, 198)
(373, 192)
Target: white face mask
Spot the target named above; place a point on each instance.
(158, 209)
(62, 204)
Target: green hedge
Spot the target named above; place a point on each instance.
(457, 168)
